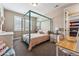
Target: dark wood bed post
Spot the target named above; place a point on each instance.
(29, 25)
(22, 28)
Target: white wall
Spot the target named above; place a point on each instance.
(9, 20)
(57, 16)
(73, 8)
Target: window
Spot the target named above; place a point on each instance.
(38, 25)
(27, 25)
(17, 23)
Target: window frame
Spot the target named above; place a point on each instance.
(17, 29)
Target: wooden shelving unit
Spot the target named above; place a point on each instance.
(74, 25)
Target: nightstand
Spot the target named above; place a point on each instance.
(53, 37)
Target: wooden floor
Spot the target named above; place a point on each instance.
(44, 49)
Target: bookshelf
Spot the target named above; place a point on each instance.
(74, 25)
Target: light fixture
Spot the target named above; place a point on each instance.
(34, 4)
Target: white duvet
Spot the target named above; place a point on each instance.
(33, 35)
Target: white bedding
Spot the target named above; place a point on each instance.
(33, 35)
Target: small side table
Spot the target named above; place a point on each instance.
(55, 36)
(52, 38)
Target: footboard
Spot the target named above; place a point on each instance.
(37, 41)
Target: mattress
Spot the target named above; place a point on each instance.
(33, 35)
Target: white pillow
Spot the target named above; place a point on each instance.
(46, 32)
(40, 32)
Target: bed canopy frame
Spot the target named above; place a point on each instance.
(29, 16)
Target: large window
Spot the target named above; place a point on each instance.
(38, 25)
(17, 23)
(27, 25)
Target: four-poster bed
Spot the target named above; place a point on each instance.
(38, 35)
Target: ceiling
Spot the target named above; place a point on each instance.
(42, 8)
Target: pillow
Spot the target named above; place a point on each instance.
(40, 32)
(3, 51)
(45, 31)
(9, 52)
(3, 47)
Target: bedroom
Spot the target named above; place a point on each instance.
(16, 23)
